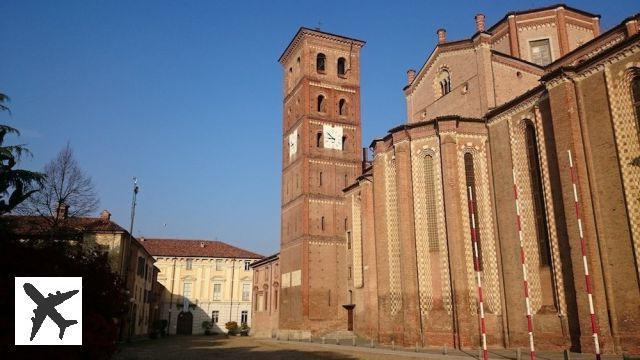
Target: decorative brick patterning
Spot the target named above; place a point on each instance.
(521, 169)
(429, 222)
(393, 243)
(356, 239)
(475, 144)
(551, 218)
(628, 143)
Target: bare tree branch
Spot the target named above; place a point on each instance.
(65, 182)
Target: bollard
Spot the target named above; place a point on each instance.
(287, 336)
(337, 340)
(323, 340)
(518, 354)
(480, 354)
(566, 354)
(444, 349)
(372, 346)
(354, 341)
(417, 348)
(393, 345)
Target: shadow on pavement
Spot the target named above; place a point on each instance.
(215, 347)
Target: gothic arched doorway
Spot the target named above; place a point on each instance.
(185, 323)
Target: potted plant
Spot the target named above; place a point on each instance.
(207, 325)
(232, 327)
(244, 329)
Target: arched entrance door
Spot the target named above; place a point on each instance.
(185, 323)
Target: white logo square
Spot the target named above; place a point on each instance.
(48, 311)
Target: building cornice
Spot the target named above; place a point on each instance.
(304, 32)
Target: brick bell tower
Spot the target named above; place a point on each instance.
(321, 147)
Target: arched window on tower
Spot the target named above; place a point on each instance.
(444, 80)
(344, 143)
(342, 107)
(319, 139)
(635, 92)
(320, 61)
(322, 223)
(470, 179)
(320, 107)
(537, 196)
(342, 66)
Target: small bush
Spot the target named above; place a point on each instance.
(160, 327)
(207, 325)
(232, 327)
(244, 329)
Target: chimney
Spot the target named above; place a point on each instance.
(141, 238)
(201, 244)
(105, 215)
(411, 74)
(479, 22)
(62, 211)
(632, 27)
(365, 158)
(442, 36)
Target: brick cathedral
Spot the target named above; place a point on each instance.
(381, 245)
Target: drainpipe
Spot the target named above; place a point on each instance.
(454, 311)
(604, 254)
(173, 281)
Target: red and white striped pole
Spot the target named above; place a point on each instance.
(532, 349)
(476, 266)
(583, 248)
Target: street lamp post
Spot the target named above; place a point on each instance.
(127, 267)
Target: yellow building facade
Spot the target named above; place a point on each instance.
(202, 281)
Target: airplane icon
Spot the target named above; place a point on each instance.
(47, 307)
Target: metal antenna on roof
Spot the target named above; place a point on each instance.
(319, 25)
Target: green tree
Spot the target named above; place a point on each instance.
(16, 185)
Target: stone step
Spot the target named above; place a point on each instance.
(339, 334)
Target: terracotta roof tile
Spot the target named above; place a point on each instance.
(40, 227)
(195, 248)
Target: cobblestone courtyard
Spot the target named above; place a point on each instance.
(209, 347)
(220, 347)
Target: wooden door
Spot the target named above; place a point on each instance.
(185, 323)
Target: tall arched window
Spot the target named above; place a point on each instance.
(320, 103)
(537, 196)
(320, 60)
(635, 92)
(430, 197)
(344, 143)
(342, 66)
(322, 223)
(444, 80)
(320, 179)
(319, 139)
(470, 178)
(342, 107)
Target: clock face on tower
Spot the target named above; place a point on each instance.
(332, 137)
(293, 143)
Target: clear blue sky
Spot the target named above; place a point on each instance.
(186, 95)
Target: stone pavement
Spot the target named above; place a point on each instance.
(220, 347)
